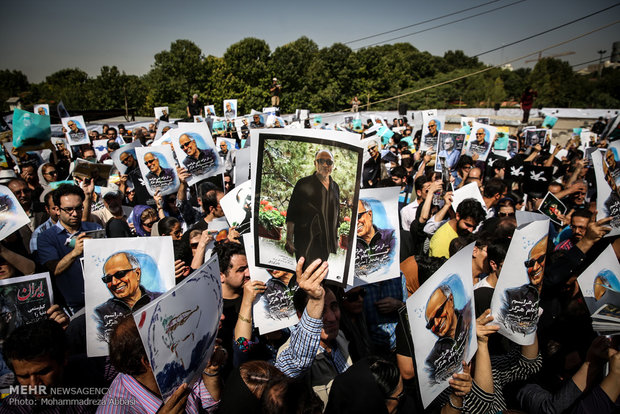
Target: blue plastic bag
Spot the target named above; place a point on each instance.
(30, 129)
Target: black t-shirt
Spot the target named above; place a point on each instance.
(194, 108)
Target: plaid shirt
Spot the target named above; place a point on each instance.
(127, 395)
(382, 327)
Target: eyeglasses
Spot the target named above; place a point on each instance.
(360, 215)
(149, 162)
(327, 162)
(354, 296)
(149, 224)
(51, 173)
(500, 214)
(437, 314)
(532, 262)
(118, 275)
(71, 210)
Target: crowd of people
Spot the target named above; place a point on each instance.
(351, 351)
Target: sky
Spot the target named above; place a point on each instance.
(41, 37)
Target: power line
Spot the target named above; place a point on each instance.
(421, 22)
(590, 61)
(443, 24)
(548, 30)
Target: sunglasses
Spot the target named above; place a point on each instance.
(325, 161)
(505, 214)
(118, 275)
(532, 262)
(437, 314)
(354, 296)
(360, 215)
(149, 224)
(149, 162)
(187, 144)
(51, 173)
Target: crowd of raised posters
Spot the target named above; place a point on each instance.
(438, 241)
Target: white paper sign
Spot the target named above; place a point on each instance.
(195, 151)
(12, 215)
(76, 131)
(158, 169)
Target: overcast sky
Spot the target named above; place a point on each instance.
(41, 37)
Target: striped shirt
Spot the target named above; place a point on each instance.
(127, 396)
(305, 342)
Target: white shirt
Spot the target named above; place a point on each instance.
(407, 214)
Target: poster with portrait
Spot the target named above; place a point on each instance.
(600, 282)
(513, 147)
(230, 108)
(12, 215)
(449, 147)
(607, 170)
(501, 140)
(209, 111)
(431, 125)
(101, 147)
(480, 140)
(75, 130)
(242, 127)
(178, 329)
(370, 145)
(535, 137)
(162, 128)
(195, 151)
(24, 299)
(198, 118)
(158, 169)
(224, 146)
(61, 145)
(306, 183)
(237, 206)
(42, 109)
(441, 314)
(483, 120)
(467, 122)
(122, 275)
(162, 113)
(125, 157)
(515, 302)
(273, 309)
(552, 208)
(377, 248)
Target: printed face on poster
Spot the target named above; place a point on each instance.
(273, 309)
(515, 302)
(441, 314)
(179, 328)
(161, 113)
(552, 208)
(431, 126)
(125, 158)
(158, 169)
(230, 108)
(377, 248)
(42, 109)
(12, 215)
(76, 132)
(162, 128)
(195, 151)
(120, 276)
(449, 146)
(480, 140)
(372, 147)
(224, 145)
(23, 300)
(535, 137)
(209, 110)
(237, 206)
(607, 170)
(306, 183)
(242, 126)
(600, 282)
(61, 145)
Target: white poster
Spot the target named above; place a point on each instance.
(61, 145)
(75, 130)
(377, 252)
(120, 276)
(125, 159)
(515, 302)
(179, 328)
(600, 282)
(237, 206)
(224, 146)
(42, 109)
(470, 190)
(158, 169)
(442, 320)
(162, 128)
(101, 147)
(209, 111)
(195, 151)
(230, 108)
(12, 215)
(431, 125)
(242, 126)
(161, 113)
(607, 171)
(480, 141)
(242, 165)
(273, 309)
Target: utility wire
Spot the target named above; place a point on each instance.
(422, 22)
(590, 61)
(548, 30)
(443, 24)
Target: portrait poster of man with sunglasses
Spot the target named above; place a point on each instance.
(441, 318)
(195, 150)
(121, 276)
(157, 169)
(307, 183)
(515, 302)
(607, 170)
(479, 142)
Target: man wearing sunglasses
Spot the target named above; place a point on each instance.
(450, 327)
(198, 161)
(480, 146)
(312, 214)
(374, 170)
(375, 246)
(159, 178)
(121, 275)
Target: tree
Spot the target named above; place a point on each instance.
(69, 85)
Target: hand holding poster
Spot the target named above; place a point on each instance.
(125, 159)
(158, 169)
(377, 249)
(195, 151)
(516, 297)
(75, 130)
(12, 215)
(441, 316)
(480, 140)
(178, 329)
(120, 276)
(306, 183)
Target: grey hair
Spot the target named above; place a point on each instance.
(323, 150)
(366, 204)
(133, 261)
(445, 289)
